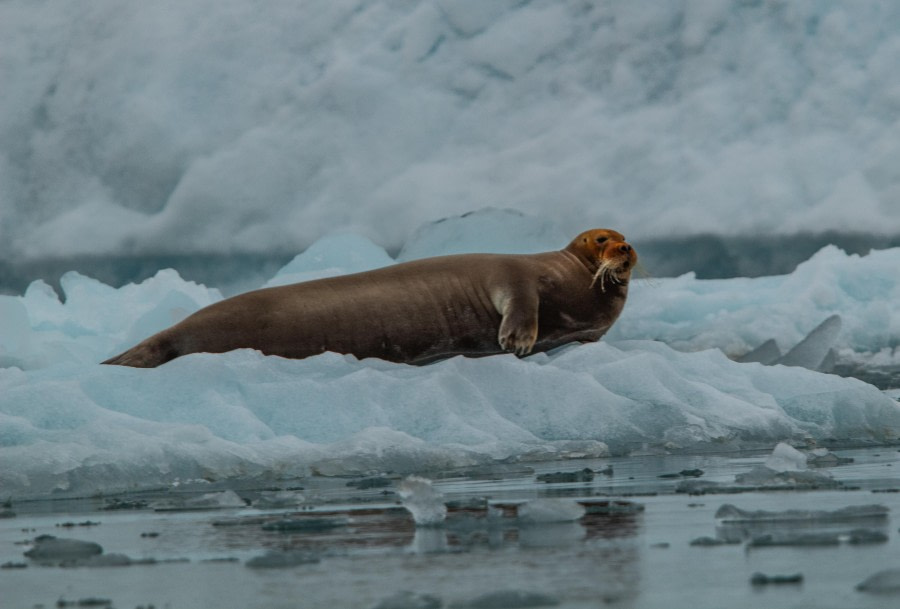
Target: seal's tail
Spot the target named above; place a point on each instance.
(150, 353)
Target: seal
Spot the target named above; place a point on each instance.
(419, 311)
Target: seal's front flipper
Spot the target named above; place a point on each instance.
(519, 326)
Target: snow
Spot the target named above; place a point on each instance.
(212, 127)
(70, 425)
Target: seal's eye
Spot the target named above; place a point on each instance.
(601, 240)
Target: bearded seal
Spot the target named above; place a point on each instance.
(419, 311)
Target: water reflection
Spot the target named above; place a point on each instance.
(499, 526)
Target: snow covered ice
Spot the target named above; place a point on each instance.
(68, 424)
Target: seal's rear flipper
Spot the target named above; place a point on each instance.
(151, 353)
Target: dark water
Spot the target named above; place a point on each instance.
(364, 550)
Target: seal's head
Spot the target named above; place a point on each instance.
(606, 255)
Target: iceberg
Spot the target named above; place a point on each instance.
(68, 425)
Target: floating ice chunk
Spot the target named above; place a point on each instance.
(710, 542)
(421, 499)
(409, 600)
(275, 559)
(786, 458)
(269, 500)
(761, 579)
(822, 457)
(307, 523)
(209, 501)
(543, 510)
(582, 475)
(824, 538)
(763, 476)
(113, 559)
(883, 582)
(731, 513)
(786, 466)
(50, 548)
(508, 599)
(813, 349)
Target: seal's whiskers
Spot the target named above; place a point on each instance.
(604, 273)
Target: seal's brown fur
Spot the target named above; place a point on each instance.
(419, 311)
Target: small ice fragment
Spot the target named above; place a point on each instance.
(883, 582)
(685, 473)
(209, 501)
(858, 537)
(764, 477)
(85, 602)
(832, 538)
(761, 579)
(424, 503)
(372, 482)
(786, 466)
(606, 506)
(492, 471)
(106, 560)
(812, 350)
(693, 486)
(822, 457)
(550, 510)
(409, 600)
(712, 541)
(305, 523)
(786, 458)
(582, 475)
(802, 540)
(281, 560)
(47, 547)
(731, 513)
(508, 599)
(269, 500)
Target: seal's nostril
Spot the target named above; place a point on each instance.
(625, 248)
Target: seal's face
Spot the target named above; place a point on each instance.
(606, 254)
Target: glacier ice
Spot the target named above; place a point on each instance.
(208, 126)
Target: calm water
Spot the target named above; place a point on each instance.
(638, 556)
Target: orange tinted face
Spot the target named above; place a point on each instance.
(607, 247)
